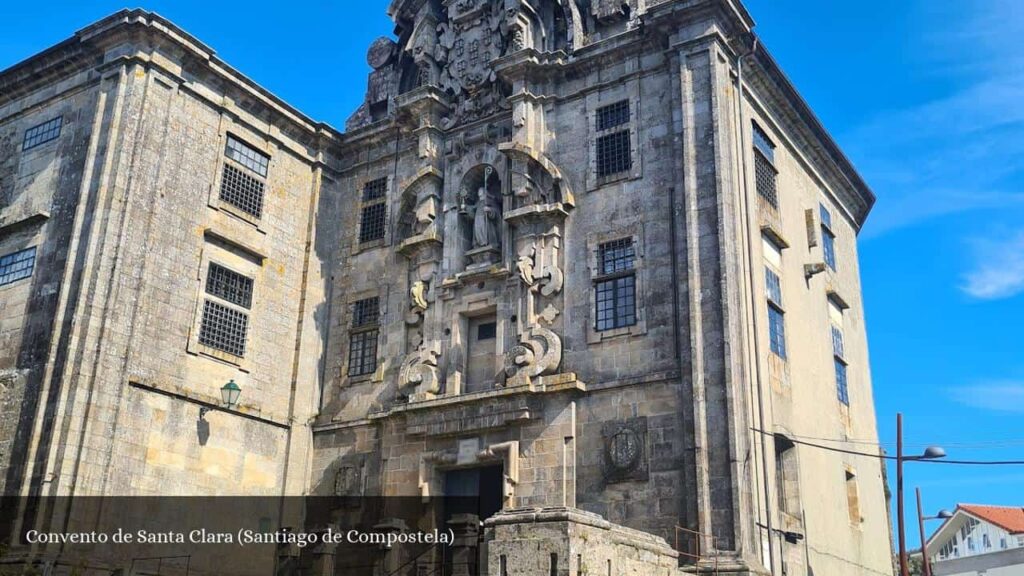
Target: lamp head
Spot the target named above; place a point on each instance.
(933, 452)
(944, 514)
(229, 394)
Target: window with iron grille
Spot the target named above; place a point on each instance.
(42, 133)
(17, 265)
(242, 191)
(229, 285)
(613, 149)
(776, 316)
(828, 237)
(613, 115)
(374, 214)
(362, 343)
(613, 154)
(765, 178)
(615, 286)
(366, 312)
(247, 156)
(223, 328)
(224, 325)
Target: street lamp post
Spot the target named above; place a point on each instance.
(930, 453)
(926, 563)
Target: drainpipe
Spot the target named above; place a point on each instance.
(741, 127)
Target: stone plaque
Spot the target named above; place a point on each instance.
(467, 451)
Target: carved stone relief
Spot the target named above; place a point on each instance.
(625, 450)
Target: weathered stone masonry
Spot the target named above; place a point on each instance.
(539, 247)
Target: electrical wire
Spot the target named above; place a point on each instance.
(882, 456)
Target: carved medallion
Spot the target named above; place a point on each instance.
(625, 450)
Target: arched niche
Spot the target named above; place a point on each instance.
(479, 202)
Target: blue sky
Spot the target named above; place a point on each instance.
(926, 97)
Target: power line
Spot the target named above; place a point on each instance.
(881, 456)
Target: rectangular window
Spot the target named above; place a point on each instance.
(776, 315)
(223, 328)
(765, 174)
(613, 115)
(228, 285)
(247, 156)
(839, 360)
(362, 353)
(373, 216)
(487, 331)
(362, 348)
(613, 154)
(42, 133)
(828, 238)
(16, 266)
(614, 145)
(224, 325)
(615, 287)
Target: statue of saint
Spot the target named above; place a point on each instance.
(486, 215)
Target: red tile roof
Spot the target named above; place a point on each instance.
(1009, 518)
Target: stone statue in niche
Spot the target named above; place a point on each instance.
(480, 207)
(418, 295)
(525, 264)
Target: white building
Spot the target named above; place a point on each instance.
(979, 540)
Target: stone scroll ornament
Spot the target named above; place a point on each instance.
(418, 376)
(539, 352)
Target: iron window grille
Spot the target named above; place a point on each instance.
(828, 237)
(224, 328)
(615, 286)
(776, 315)
(42, 133)
(17, 265)
(225, 320)
(362, 348)
(228, 285)
(613, 115)
(243, 180)
(614, 143)
(374, 214)
(765, 174)
(763, 144)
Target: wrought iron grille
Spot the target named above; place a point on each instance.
(229, 285)
(242, 191)
(366, 312)
(765, 179)
(247, 156)
(613, 154)
(612, 115)
(617, 256)
(42, 133)
(375, 189)
(223, 328)
(372, 222)
(18, 265)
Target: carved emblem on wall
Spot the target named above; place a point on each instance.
(348, 481)
(418, 378)
(625, 450)
(539, 352)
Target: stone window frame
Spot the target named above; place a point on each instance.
(789, 501)
(214, 200)
(594, 242)
(597, 100)
(360, 187)
(377, 375)
(225, 257)
(472, 306)
(853, 500)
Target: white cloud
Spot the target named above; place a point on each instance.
(998, 270)
(997, 396)
(962, 150)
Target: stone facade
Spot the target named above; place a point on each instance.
(539, 247)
